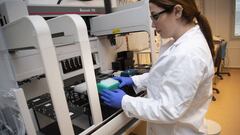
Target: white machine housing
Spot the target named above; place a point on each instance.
(37, 35)
(10, 10)
(134, 17)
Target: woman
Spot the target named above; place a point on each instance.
(179, 85)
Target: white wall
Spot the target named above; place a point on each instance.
(219, 14)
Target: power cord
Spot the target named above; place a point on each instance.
(59, 1)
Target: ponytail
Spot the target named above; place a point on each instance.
(206, 30)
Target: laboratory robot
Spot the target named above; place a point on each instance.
(57, 61)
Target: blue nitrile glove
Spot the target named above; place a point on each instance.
(113, 98)
(124, 81)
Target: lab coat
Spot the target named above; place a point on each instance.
(179, 88)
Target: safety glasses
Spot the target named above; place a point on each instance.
(155, 17)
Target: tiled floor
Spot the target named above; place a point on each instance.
(225, 110)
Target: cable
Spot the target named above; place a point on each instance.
(59, 1)
(120, 43)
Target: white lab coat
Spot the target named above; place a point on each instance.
(179, 88)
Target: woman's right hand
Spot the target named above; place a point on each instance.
(124, 81)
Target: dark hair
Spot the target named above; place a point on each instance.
(190, 11)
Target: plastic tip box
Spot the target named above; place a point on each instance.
(109, 84)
